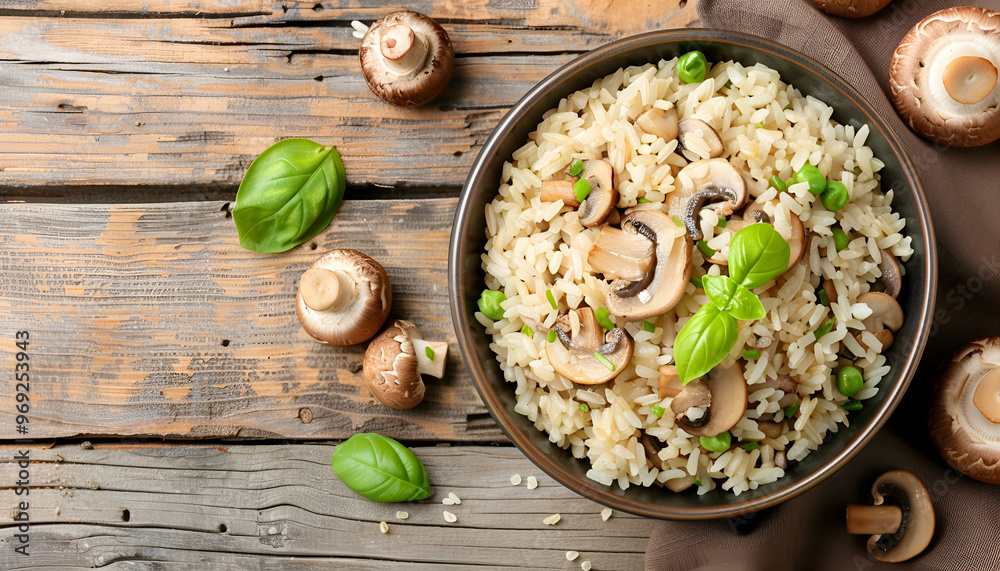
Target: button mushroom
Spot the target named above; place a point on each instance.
(394, 361)
(687, 138)
(603, 195)
(670, 274)
(406, 58)
(707, 181)
(943, 77)
(891, 281)
(965, 410)
(618, 254)
(899, 530)
(851, 8)
(588, 357)
(344, 298)
(659, 122)
(710, 412)
(886, 317)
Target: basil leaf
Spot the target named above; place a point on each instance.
(746, 305)
(380, 469)
(704, 342)
(289, 194)
(720, 290)
(725, 294)
(757, 254)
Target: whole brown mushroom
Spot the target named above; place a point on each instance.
(944, 77)
(965, 410)
(394, 361)
(851, 8)
(406, 58)
(344, 298)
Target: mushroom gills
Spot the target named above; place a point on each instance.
(622, 255)
(702, 181)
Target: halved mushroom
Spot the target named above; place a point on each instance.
(659, 122)
(588, 357)
(900, 530)
(670, 274)
(891, 281)
(886, 317)
(851, 8)
(553, 190)
(622, 255)
(688, 132)
(965, 410)
(603, 195)
(707, 181)
(944, 77)
(726, 405)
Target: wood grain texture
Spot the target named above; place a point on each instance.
(189, 93)
(163, 508)
(151, 320)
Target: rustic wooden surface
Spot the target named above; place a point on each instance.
(125, 128)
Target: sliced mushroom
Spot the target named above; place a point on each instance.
(785, 384)
(831, 290)
(669, 276)
(728, 403)
(944, 77)
(707, 181)
(697, 127)
(651, 445)
(891, 281)
(406, 58)
(588, 357)
(770, 428)
(695, 394)
(887, 315)
(763, 343)
(659, 122)
(965, 410)
(553, 190)
(603, 195)
(900, 530)
(680, 484)
(344, 298)
(622, 255)
(851, 8)
(669, 382)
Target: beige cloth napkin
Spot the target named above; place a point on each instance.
(963, 191)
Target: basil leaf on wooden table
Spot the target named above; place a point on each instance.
(380, 469)
(289, 194)
(757, 254)
(704, 342)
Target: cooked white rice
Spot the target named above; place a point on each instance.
(531, 243)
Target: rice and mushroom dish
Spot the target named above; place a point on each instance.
(691, 275)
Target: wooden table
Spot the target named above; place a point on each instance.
(179, 415)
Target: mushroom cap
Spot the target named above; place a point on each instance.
(964, 436)
(922, 60)
(886, 312)
(916, 528)
(366, 297)
(390, 367)
(704, 180)
(694, 126)
(603, 196)
(659, 122)
(427, 80)
(729, 402)
(851, 8)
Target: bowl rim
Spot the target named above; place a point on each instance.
(463, 324)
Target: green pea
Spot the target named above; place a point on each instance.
(777, 183)
(840, 239)
(489, 304)
(809, 173)
(849, 381)
(575, 167)
(584, 407)
(835, 196)
(582, 189)
(691, 67)
(717, 443)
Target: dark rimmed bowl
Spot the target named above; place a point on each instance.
(466, 276)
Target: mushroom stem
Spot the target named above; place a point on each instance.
(321, 289)
(873, 520)
(402, 50)
(969, 79)
(987, 396)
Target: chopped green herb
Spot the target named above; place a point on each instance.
(792, 409)
(648, 327)
(824, 328)
(718, 443)
(642, 200)
(749, 354)
(678, 221)
(721, 223)
(777, 183)
(575, 167)
(603, 317)
(840, 239)
(703, 246)
(697, 482)
(583, 406)
(729, 83)
(527, 331)
(751, 446)
(551, 298)
(552, 336)
(604, 361)
(824, 298)
(853, 405)
(657, 410)
(759, 125)
(696, 282)
(787, 107)
(489, 304)
(429, 352)
(582, 189)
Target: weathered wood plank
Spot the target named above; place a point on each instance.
(191, 100)
(151, 320)
(142, 506)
